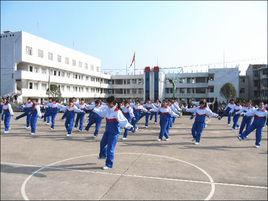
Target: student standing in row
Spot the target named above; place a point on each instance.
(35, 113)
(128, 113)
(8, 112)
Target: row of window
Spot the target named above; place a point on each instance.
(67, 88)
(127, 81)
(125, 91)
(193, 80)
(199, 90)
(61, 73)
(50, 56)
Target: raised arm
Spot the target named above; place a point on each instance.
(123, 122)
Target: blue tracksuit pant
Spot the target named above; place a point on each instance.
(108, 142)
(155, 115)
(258, 124)
(80, 120)
(127, 115)
(197, 130)
(147, 116)
(53, 114)
(33, 120)
(246, 121)
(69, 121)
(64, 115)
(164, 126)
(235, 121)
(94, 118)
(7, 117)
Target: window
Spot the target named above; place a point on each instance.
(59, 58)
(92, 89)
(134, 81)
(86, 77)
(44, 71)
(66, 60)
(31, 68)
(68, 88)
(134, 91)
(210, 89)
(29, 50)
(36, 70)
(211, 77)
(201, 80)
(139, 81)
(44, 86)
(256, 83)
(264, 82)
(30, 85)
(86, 66)
(80, 64)
(54, 73)
(189, 90)
(40, 53)
(63, 74)
(75, 88)
(242, 90)
(265, 71)
(256, 73)
(190, 80)
(140, 91)
(50, 56)
(98, 68)
(92, 79)
(182, 90)
(36, 86)
(58, 73)
(200, 90)
(92, 67)
(74, 62)
(62, 87)
(68, 75)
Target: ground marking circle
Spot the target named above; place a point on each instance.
(211, 181)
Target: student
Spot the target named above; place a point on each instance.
(47, 114)
(156, 105)
(53, 111)
(165, 115)
(227, 110)
(115, 120)
(70, 110)
(8, 112)
(247, 113)
(81, 115)
(26, 112)
(260, 118)
(35, 112)
(1, 109)
(95, 116)
(139, 112)
(176, 109)
(199, 124)
(236, 116)
(148, 106)
(128, 113)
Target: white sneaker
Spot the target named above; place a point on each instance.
(52, 129)
(80, 130)
(105, 167)
(69, 135)
(94, 136)
(27, 128)
(137, 128)
(33, 133)
(196, 143)
(229, 124)
(257, 146)
(167, 139)
(155, 123)
(47, 123)
(159, 140)
(124, 138)
(6, 132)
(146, 126)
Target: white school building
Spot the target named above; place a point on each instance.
(30, 63)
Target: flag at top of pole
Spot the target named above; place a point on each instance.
(133, 61)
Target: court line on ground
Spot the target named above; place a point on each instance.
(138, 176)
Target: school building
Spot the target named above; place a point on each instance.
(29, 64)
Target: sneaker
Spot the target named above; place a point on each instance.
(69, 135)
(239, 138)
(167, 139)
(257, 146)
(6, 132)
(27, 128)
(52, 129)
(33, 133)
(229, 124)
(146, 126)
(124, 138)
(159, 140)
(193, 140)
(196, 143)
(94, 136)
(155, 123)
(80, 131)
(106, 167)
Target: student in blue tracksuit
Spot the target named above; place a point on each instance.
(260, 118)
(174, 106)
(139, 111)
(95, 116)
(70, 110)
(8, 112)
(115, 120)
(81, 115)
(236, 116)
(165, 115)
(26, 112)
(227, 110)
(35, 113)
(148, 106)
(247, 113)
(157, 105)
(1, 109)
(128, 113)
(53, 111)
(200, 116)
(47, 114)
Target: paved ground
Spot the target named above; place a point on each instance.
(51, 166)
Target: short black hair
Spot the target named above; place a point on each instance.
(82, 99)
(110, 99)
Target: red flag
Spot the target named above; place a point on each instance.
(133, 60)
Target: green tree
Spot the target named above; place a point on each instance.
(54, 91)
(228, 91)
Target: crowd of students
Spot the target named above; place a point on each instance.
(127, 114)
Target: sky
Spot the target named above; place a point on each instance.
(163, 33)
